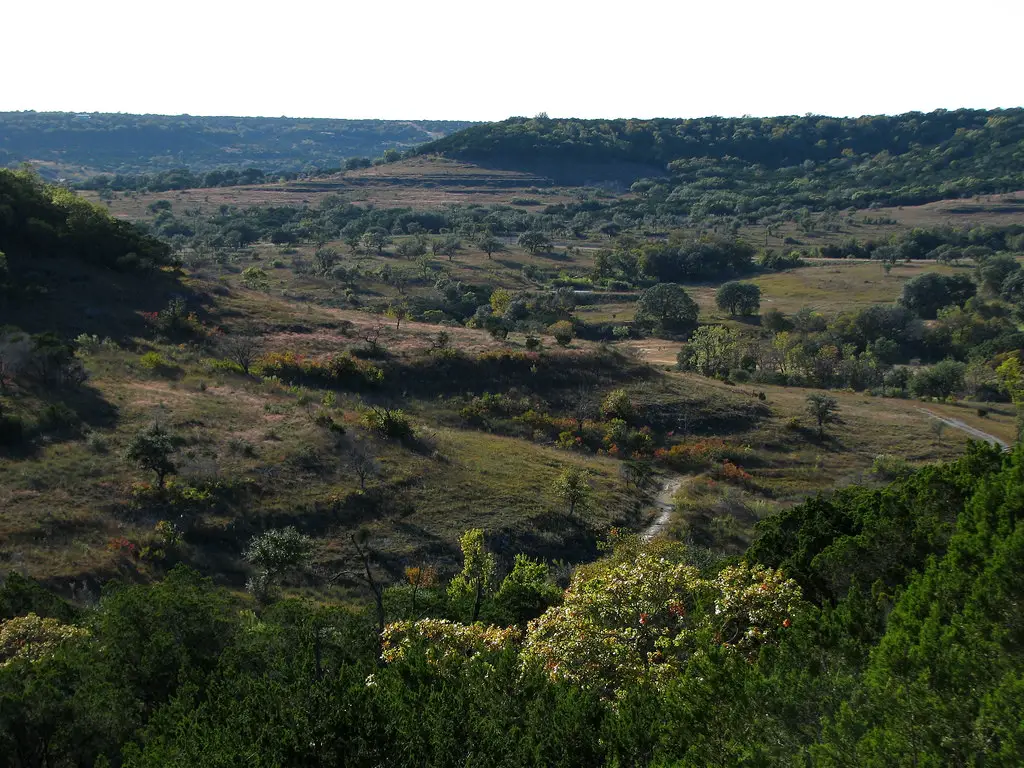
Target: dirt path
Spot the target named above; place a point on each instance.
(663, 501)
(963, 427)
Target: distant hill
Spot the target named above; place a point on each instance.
(79, 145)
(813, 160)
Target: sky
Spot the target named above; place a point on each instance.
(478, 60)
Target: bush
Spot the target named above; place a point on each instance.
(58, 416)
(97, 443)
(563, 332)
(391, 423)
(335, 371)
(889, 467)
(153, 361)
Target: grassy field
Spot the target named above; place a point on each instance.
(259, 453)
(420, 183)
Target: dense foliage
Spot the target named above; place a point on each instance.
(906, 647)
(38, 221)
(749, 165)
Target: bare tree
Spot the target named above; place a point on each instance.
(583, 407)
(365, 574)
(242, 349)
(363, 464)
(371, 335)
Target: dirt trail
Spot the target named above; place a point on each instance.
(663, 501)
(964, 427)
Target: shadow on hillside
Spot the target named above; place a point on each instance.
(70, 298)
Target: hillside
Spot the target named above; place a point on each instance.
(743, 165)
(79, 145)
(447, 461)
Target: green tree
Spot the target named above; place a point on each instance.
(926, 294)
(475, 581)
(490, 245)
(563, 332)
(534, 241)
(823, 409)
(525, 593)
(617, 404)
(153, 449)
(572, 486)
(274, 553)
(666, 307)
(738, 298)
(711, 348)
(376, 238)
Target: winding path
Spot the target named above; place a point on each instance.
(964, 427)
(663, 501)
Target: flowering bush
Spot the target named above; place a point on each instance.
(731, 473)
(694, 455)
(34, 638)
(644, 618)
(175, 320)
(445, 643)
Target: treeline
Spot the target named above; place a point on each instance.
(944, 244)
(142, 144)
(760, 168)
(869, 627)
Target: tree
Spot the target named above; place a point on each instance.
(644, 617)
(255, 278)
(666, 307)
(739, 298)
(1011, 377)
(711, 349)
(363, 465)
(534, 241)
(275, 553)
(926, 294)
(475, 580)
(500, 301)
(993, 271)
(526, 592)
(243, 349)
(617, 404)
(490, 245)
(398, 311)
(376, 238)
(573, 487)
(419, 577)
(823, 409)
(152, 449)
(450, 246)
(562, 331)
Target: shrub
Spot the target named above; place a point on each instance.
(562, 331)
(695, 455)
(153, 361)
(97, 443)
(889, 467)
(388, 422)
(335, 371)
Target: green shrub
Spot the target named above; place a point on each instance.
(153, 361)
(391, 423)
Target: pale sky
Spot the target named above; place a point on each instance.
(479, 60)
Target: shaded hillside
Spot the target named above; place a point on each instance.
(84, 144)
